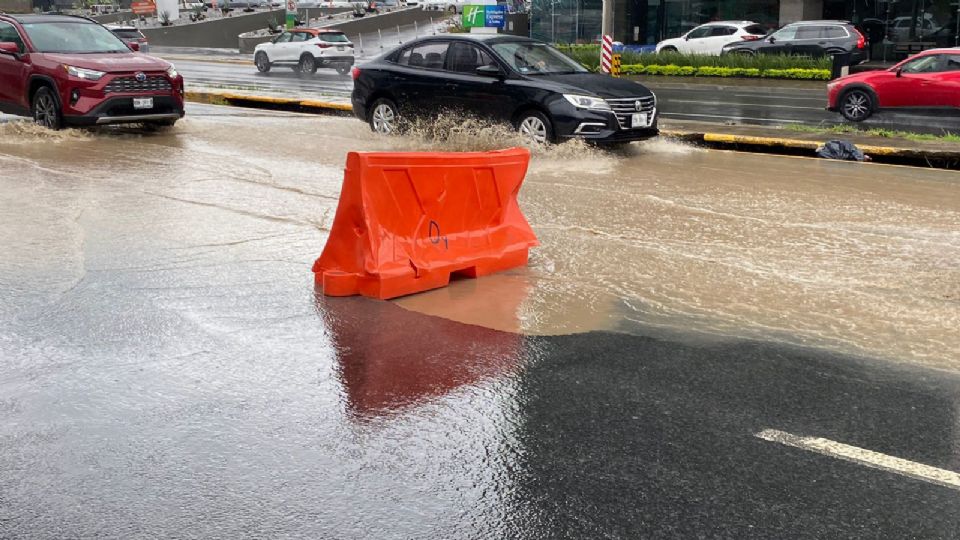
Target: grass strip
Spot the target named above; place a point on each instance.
(846, 129)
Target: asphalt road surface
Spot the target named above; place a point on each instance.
(745, 102)
(706, 344)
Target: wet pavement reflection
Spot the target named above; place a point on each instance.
(167, 368)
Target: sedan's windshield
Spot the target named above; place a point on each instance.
(532, 58)
(73, 37)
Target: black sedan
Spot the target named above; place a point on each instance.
(544, 94)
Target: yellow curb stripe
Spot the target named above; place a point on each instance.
(175, 58)
(226, 97)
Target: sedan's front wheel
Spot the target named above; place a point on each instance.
(856, 105)
(535, 127)
(384, 117)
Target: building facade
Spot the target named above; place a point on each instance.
(645, 22)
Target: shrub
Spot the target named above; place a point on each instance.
(776, 66)
(712, 71)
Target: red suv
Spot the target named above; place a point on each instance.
(64, 70)
(929, 80)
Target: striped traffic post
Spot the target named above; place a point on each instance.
(606, 54)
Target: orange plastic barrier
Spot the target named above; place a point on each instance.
(407, 221)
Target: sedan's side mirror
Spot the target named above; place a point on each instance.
(134, 46)
(772, 39)
(9, 47)
(900, 72)
(489, 70)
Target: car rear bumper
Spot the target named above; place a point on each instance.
(326, 60)
(119, 110)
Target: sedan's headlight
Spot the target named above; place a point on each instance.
(172, 72)
(587, 102)
(85, 74)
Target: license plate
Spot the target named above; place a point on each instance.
(639, 120)
(339, 47)
(143, 103)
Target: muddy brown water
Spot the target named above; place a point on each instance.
(167, 371)
(663, 237)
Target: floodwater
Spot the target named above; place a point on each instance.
(167, 368)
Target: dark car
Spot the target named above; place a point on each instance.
(808, 38)
(64, 70)
(544, 94)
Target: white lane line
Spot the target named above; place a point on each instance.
(765, 96)
(867, 458)
(714, 103)
(728, 117)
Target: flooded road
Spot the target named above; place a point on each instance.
(167, 369)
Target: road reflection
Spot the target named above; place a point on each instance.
(390, 359)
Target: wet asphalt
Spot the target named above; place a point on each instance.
(764, 103)
(168, 370)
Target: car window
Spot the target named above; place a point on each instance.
(756, 30)
(535, 58)
(334, 37)
(924, 64)
(9, 34)
(428, 55)
(300, 36)
(127, 34)
(786, 33)
(466, 58)
(809, 32)
(73, 37)
(283, 38)
(833, 32)
(952, 63)
(720, 31)
(701, 32)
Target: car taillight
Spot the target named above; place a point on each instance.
(355, 72)
(749, 37)
(323, 45)
(861, 40)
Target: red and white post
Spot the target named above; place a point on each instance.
(606, 53)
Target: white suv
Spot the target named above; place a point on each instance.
(305, 50)
(710, 38)
(453, 6)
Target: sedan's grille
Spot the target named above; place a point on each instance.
(625, 107)
(154, 83)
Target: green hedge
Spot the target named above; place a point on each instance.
(710, 71)
(773, 65)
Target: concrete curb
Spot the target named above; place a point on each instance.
(778, 143)
(268, 102)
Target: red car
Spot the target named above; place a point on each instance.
(929, 80)
(71, 71)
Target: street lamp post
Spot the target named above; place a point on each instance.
(606, 26)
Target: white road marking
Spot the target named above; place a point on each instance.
(765, 96)
(776, 106)
(728, 117)
(867, 458)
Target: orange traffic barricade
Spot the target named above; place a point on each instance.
(407, 221)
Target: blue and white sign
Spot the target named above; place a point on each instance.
(496, 16)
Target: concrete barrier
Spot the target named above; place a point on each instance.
(111, 18)
(16, 6)
(386, 21)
